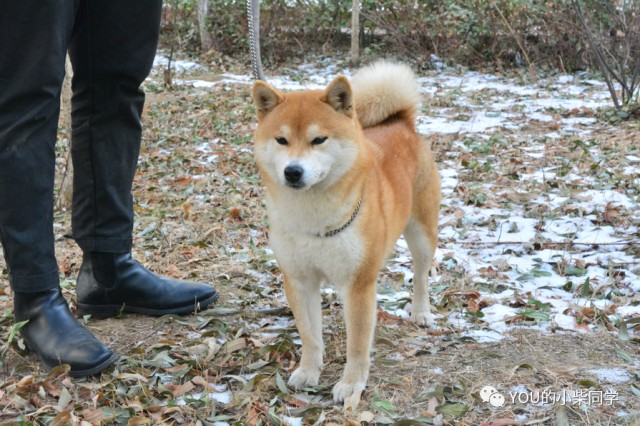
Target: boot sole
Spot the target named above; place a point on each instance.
(82, 373)
(95, 370)
(108, 311)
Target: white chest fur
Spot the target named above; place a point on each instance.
(302, 253)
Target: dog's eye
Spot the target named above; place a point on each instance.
(282, 141)
(319, 140)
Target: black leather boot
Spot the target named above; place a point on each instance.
(57, 336)
(113, 282)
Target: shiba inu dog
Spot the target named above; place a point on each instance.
(346, 174)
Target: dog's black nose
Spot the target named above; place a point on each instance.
(293, 173)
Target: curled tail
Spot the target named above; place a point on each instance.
(385, 89)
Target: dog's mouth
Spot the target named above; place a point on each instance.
(296, 185)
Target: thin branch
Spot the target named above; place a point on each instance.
(606, 70)
(545, 244)
(532, 69)
(168, 77)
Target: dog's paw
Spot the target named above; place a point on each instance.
(424, 318)
(304, 377)
(344, 390)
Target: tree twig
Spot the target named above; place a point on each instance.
(532, 69)
(544, 243)
(604, 67)
(168, 75)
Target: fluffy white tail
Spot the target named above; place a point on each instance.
(384, 89)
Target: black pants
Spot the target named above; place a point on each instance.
(112, 44)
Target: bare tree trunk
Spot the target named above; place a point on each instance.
(355, 33)
(205, 37)
(66, 187)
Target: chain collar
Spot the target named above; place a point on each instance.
(343, 227)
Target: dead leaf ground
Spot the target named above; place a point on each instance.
(200, 216)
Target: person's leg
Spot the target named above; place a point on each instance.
(33, 39)
(112, 50)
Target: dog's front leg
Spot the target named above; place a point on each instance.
(305, 302)
(360, 320)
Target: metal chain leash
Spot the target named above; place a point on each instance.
(253, 14)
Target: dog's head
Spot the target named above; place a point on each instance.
(305, 139)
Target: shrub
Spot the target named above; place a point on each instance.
(504, 33)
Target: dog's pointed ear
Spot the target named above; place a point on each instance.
(266, 98)
(339, 95)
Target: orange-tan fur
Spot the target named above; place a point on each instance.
(371, 154)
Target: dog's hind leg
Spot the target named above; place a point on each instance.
(305, 301)
(421, 234)
(422, 244)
